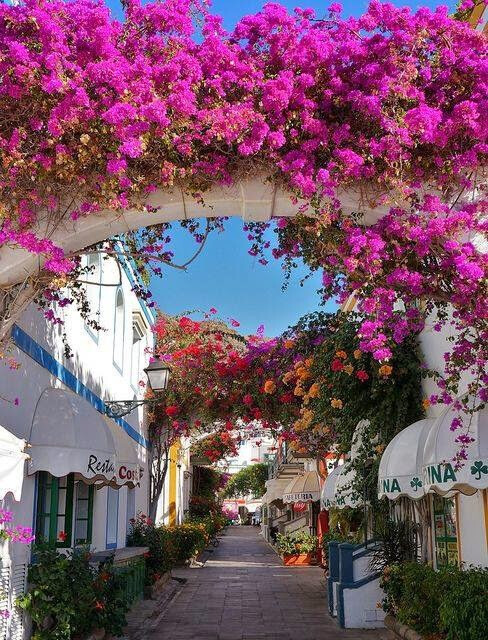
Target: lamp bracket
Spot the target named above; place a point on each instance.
(119, 408)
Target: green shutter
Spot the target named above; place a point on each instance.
(89, 515)
(48, 509)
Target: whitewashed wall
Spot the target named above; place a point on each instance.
(93, 364)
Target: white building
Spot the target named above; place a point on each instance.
(253, 450)
(87, 475)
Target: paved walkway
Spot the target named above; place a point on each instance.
(244, 592)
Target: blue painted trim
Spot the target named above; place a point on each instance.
(112, 545)
(346, 562)
(34, 350)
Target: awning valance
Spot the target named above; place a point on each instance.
(439, 472)
(400, 471)
(275, 489)
(327, 497)
(303, 488)
(128, 471)
(12, 459)
(69, 436)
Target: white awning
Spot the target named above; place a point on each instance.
(303, 488)
(343, 488)
(275, 489)
(400, 471)
(439, 472)
(337, 491)
(69, 436)
(12, 459)
(327, 497)
(128, 471)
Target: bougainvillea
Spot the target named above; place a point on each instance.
(97, 114)
(216, 447)
(17, 533)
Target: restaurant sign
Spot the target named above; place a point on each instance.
(100, 467)
(310, 496)
(118, 472)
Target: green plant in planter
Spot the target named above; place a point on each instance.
(296, 543)
(69, 598)
(397, 543)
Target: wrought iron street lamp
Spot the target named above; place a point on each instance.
(158, 375)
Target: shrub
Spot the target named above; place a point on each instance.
(418, 591)
(71, 598)
(169, 546)
(189, 539)
(464, 608)
(296, 543)
(162, 552)
(201, 507)
(450, 603)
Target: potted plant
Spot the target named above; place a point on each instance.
(297, 549)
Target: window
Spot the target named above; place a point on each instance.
(119, 327)
(54, 516)
(136, 354)
(54, 509)
(83, 513)
(445, 532)
(112, 517)
(93, 291)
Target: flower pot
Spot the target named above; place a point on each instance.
(298, 560)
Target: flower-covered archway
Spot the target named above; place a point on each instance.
(101, 117)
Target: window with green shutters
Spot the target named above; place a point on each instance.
(54, 509)
(56, 500)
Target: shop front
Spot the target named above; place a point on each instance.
(302, 494)
(448, 501)
(80, 461)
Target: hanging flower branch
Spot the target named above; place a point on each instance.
(389, 107)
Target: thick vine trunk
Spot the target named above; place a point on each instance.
(158, 469)
(14, 304)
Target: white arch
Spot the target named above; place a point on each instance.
(252, 199)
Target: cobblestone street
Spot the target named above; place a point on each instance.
(244, 592)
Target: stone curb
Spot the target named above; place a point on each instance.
(401, 630)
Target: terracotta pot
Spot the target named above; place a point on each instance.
(299, 560)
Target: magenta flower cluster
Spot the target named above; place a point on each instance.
(17, 533)
(98, 113)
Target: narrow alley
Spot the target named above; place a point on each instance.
(243, 592)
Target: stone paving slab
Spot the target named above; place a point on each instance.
(243, 592)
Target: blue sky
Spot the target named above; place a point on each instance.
(224, 276)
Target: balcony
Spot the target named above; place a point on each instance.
(282, 468)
